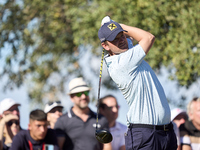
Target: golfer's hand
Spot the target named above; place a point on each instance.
(7, 118)
(105, 20)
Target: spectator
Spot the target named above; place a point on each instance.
(9, 123)
(76, 129)
(109, 107)
(190, 130)
(54, 111)
(38, 136)
(179, 116)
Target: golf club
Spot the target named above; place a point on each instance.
(103, 136)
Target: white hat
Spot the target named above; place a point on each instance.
(51, 105)
(6, 104)
(175, 112)
(77, 85)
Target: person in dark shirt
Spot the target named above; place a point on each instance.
(38, 136)
(76, 129)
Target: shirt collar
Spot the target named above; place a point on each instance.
(72, 114)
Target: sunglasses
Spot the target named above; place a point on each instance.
(107, 107)
(80, 93)
(10, 123)
(51, 103)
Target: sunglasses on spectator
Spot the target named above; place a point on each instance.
(109, 107)
(51, 103)
(10, 123)
(80, 93)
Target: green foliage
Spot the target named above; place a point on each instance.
(44, 38)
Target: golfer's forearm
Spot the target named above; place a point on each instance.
(144, 38)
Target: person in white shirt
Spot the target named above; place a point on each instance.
(109, 107)
(149, 112)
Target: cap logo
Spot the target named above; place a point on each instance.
(112, 26)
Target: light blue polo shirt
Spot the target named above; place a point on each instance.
(140, 86)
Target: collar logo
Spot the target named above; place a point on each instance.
(112, 26)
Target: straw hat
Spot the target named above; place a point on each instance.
(78, 85)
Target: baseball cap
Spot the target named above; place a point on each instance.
(6, 104)
(77, 85)
(49, 106)
(109, 31)
(177, 111)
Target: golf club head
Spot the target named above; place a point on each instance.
(103, 136)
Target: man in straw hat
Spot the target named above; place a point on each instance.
(76, 129)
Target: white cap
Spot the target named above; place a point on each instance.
(6, 104)
(51, 105)
(175, 112)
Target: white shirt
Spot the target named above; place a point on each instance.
(118, 132)
(140, 86)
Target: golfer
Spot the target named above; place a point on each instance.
(148, 117)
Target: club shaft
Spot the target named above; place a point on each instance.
(100, 74)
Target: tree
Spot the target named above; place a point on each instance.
(44, 38)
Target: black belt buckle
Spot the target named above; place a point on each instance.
(166, 127)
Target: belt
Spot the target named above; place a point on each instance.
(165, 127)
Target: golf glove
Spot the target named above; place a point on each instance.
(105, 20)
